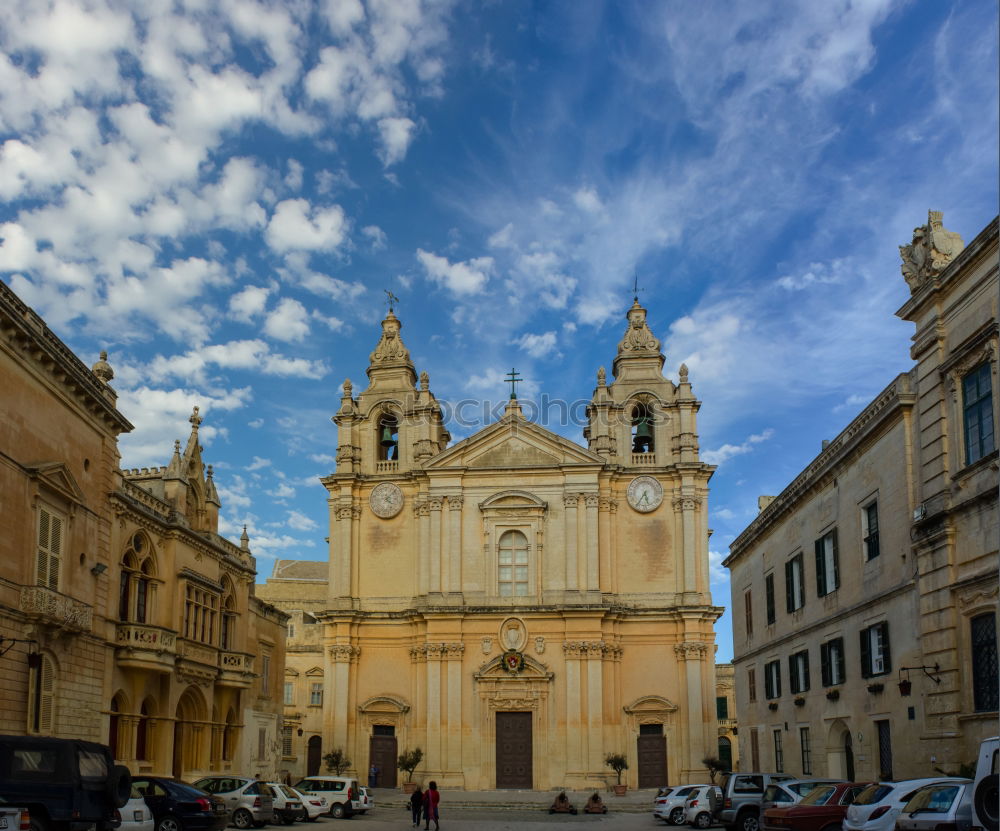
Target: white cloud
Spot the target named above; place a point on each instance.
(249, 303)
(251, 355)
(539, 346)
(727, 451)
(376, 235)
(288, 322)
(300, 522)
(258, 463)
(469, 277)
(396, 133)
(296, 225)
(718, 574)
(282, 491)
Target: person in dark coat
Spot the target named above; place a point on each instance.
(417, 805)
(431, 799)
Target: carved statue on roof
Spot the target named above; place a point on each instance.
(638, 337)
(933, 247)
(389, 348)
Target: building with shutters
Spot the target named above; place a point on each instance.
(516, 604)
(125, 617)
(725, 711)
(864, 596)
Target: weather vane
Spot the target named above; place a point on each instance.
(391, 299)
(635, 287)
(513, 378)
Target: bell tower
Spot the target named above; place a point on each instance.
(394, 425)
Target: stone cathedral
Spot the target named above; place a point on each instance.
(516, 605)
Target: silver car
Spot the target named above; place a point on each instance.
(135, 815)
(941, 805)
(669, 806)
(248, 800)
(878, 805)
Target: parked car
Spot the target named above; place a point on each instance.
(367, 799)
(700, 805)
(340, 792)
(741, 797)
(312, 806)
(943, 805)
(13, 817)
(789, 792)
(248, 800)
(135, 815)
(287, 803)
(66, 784)
(669, 806)
(178, 806)
(822, 809)
(878, 805)
(986, 798)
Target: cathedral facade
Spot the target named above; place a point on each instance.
(517, 605)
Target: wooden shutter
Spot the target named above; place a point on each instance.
(886, 655)
(804, 675)
(50, 534)
(824, 665)
(820, 569)
(836, 561)
(789, 592)
(794, 682)
(866, 653)
(46, 696)
(841, 664)
(769, 597)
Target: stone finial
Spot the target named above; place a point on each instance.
(195, 420)
(602, 377)
(933, 247)
(683, 373)
(245, 539)
(638, 337)
(348, 387)
(390, 348)
(425, 381)
(102, 369)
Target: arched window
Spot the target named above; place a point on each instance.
(642, 430)
(134, 584)
(512, 565)
(227, 630)
(387, 438)
(726, 752)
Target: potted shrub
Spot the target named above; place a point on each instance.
(408, 762)
(337, 761)
(617, 762)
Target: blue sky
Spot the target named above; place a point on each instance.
(218, 191)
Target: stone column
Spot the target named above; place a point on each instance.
(455, 544)
(342, 655)
(591, 541)
(691, 655)
(574, 652)
(605, 575)
(422, 512)
(343, 536)
(570, 501)
(687, 507)
(453, 760)
(435, 503)
(595, 708)
(435, 762)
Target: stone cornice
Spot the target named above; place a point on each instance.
(891, 400)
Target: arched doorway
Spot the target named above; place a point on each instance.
(848, 756)
(314, 755)
(114, 727)
(188, 729)
(726, 752)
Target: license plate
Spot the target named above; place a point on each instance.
(3, 822)
(137, 815)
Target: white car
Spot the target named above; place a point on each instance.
(312, 806)
(287, 803)
(135, 815)
(877, 806)
(367, 799)
(669, 803)
(700, 805)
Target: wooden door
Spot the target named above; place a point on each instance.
(514, 750)
(652, 756)
(314, 755)
(383, 753)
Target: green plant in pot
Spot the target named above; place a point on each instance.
(618, 763)
(408, 762)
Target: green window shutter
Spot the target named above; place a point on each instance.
(824, 665)
(866, 654)
(820, 569)
(769, 596)
(886, 655)
(836, 562)
(841, 664)
(789, 593)
(793, 674)
(804, 680)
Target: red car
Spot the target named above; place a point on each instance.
(822, 809)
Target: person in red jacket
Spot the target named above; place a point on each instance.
(431, 799)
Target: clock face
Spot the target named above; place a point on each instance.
(645, 494)
(386, 500)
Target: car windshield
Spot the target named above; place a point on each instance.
(819, 795)
(936, 799)
(664, 792)
(773, 793)
(288, 792)
(873, 794)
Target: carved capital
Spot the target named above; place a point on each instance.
(570, 500)
(691, 650)
(435, 503)
(343, 652)
(591, 649)
(455, 503)
(686, 503)
(592, 500)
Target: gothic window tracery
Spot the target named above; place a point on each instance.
(137, 572)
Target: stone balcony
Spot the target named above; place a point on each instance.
(141, 646)
(727, 723)
(643, 459)
(53, 609)
(236, 670)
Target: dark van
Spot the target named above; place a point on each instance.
(66, 784)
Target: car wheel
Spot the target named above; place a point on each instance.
(337, 811)
(985, 800)
(289, 817)
(119, 785)
(703, 820)
(242, 818)
(170, 824)
(748, 821)
(677, 816)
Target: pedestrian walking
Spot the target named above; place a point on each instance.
(431, 799)
(373, 776)
(417, 805)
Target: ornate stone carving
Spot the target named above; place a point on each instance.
(102, 369)
(344, 512)
(638, 337)
(513, 634)
(539, 645)
(487, 646)
(933, 247)
(425, 381)
(602, 377)
(690, 650)
(592, 500)
(570, 500)
(389, 348)
(683, 372)
(686, 503)
(435, 503)
(455, 502)
(591, 649)
(343, 652)
(437, 650)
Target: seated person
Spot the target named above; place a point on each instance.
(595, 805)
(562, 805)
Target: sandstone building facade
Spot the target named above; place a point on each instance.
(125, 617)
(515, 604)
(864, 595)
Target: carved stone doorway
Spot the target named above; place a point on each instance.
(514, 750)
(382, 752)
(651, 754)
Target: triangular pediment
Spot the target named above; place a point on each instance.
(56, 477)
(514, 443)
